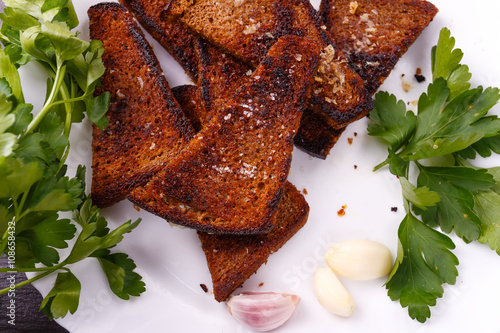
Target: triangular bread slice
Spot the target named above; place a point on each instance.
(374, 34)
(146, 125)
(233, 259)
(247, 29)
(190, 101)
(221, 74)
(235, 168)
(173, 36)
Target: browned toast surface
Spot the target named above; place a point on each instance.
(233, 259)
(315, 136)
(173, 36)
(221, 74)
(374, 34)
(247, 29)
(190, 101)
(235, 168)
(146, 125)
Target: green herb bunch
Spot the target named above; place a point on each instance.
(434, 147)
(34, 187)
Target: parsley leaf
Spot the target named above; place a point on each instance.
(33, 150)
(456, 187)
(46, 235)
(422, 197)
(119, 269)
(445, 63)
(424, 262)
(390, 121)
(452, 123)
(63, 298)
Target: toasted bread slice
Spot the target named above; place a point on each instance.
(374, 34)
(235, 168)
(190, 101)
(146, 125)
(315, 136)
(173, 36)
(247, 29)
(233, 259)
(221, 74)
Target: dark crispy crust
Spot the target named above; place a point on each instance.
(315, 136)
(233, 259)
(143, 114)
(374, 34)
(235, 168)
(247, 29)
(173, 36)
(220, 76)
(190, 101)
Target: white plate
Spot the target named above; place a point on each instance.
(173, 265)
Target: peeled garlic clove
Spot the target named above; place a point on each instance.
(262, 311)
(331, 293)
(359, 259)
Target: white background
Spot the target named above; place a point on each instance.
(173, 265)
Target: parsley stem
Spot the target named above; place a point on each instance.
(48, 104)
(26, 282)
(380, 166)
(3, 245)
(30, 270)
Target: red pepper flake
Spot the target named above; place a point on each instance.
(394, 209)
(355, 166)
(341, 211)
(355, 134)
(204, 287)
(349, 140)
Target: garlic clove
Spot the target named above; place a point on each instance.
(262, 312)
(331, 293)
(359, 259)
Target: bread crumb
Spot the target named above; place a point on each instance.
(261, 284)
(252, 28)
(341, 211)
(352, 7)
(204, 287)
(406, 85)
(304, 191)
(350, 140)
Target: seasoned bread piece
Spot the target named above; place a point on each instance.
(221, 74)
(189, 99)
(374, 34)
(235, 168)
(315, 136)
(247, 29)
(146, 125)
(233, 259)
(173, 36)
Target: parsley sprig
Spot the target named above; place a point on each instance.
(450, 193)
(33, 151)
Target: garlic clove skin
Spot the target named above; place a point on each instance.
(331, 293)
(262, 312)
(359, 259)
